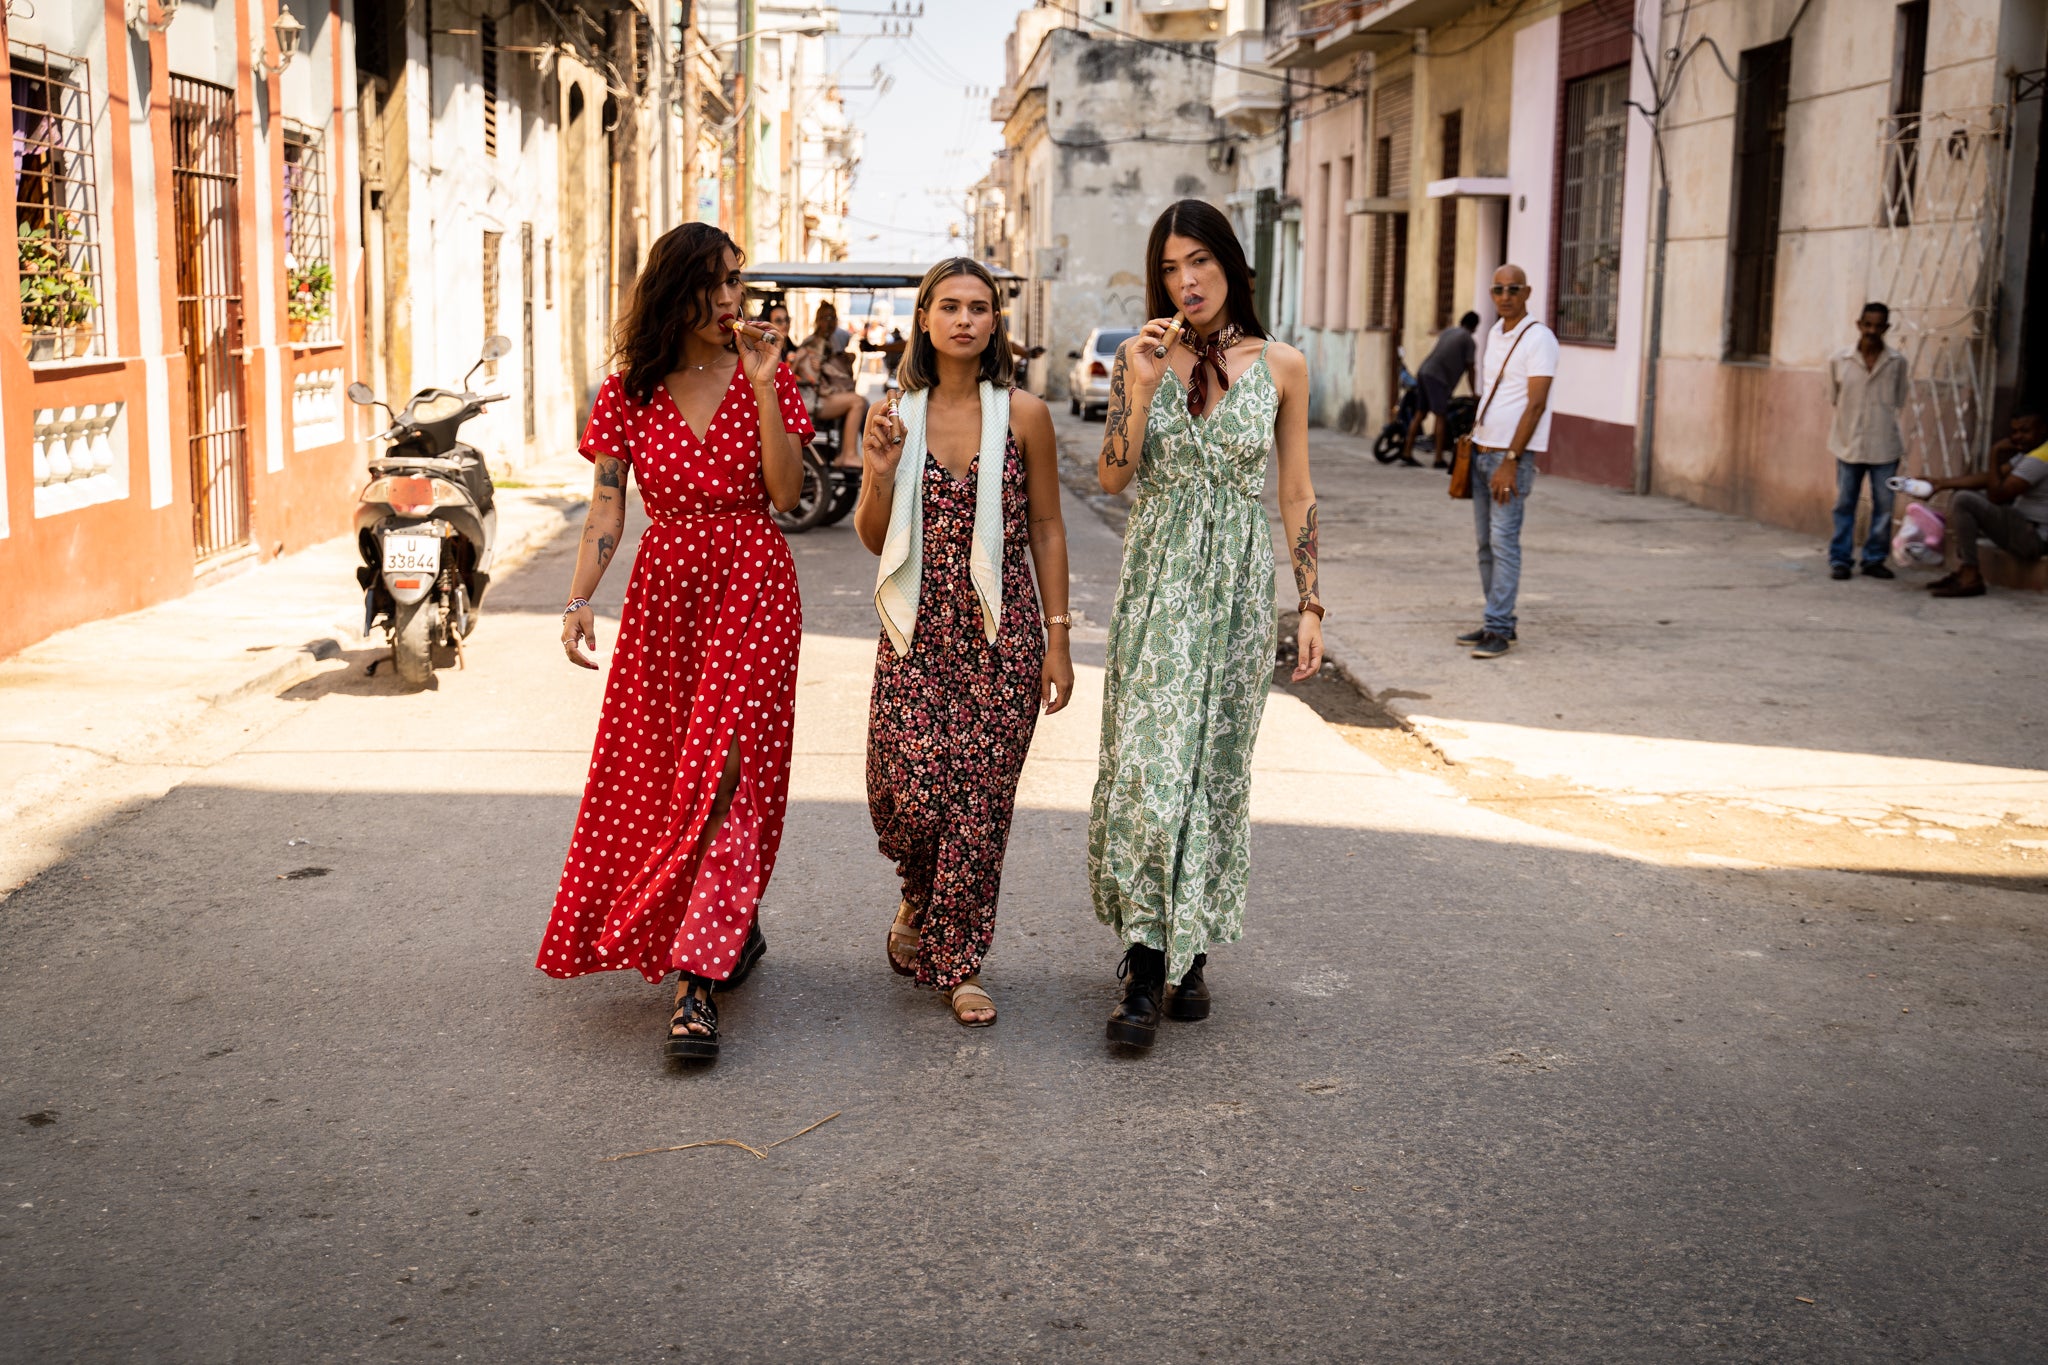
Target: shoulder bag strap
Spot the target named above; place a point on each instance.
(1501, 373)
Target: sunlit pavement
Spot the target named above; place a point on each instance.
(285, 1085)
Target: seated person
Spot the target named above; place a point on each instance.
(2007, 502)
(825, 361)
(776, 315)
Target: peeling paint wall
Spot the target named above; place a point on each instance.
(1120, 131)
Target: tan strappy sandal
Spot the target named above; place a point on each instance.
(969, 995)
(904, 941)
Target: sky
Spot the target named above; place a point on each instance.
(929, 136)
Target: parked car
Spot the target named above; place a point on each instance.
(1088, 380)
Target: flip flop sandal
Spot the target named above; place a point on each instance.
(903, 939)
(694, 1009)
(969, 995)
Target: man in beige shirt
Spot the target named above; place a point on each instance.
(1867, 386)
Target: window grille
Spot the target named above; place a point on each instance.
(56, 204)
(1447, 222)
(1392, 114)
(309, 238)
(1764, 83)
(488, 27)
(1589, 220)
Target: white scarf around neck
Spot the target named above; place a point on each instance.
(902, 568)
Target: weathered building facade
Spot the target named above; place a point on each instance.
(170, 382)
(1100, 134)
(1816, 154)
(226, 210)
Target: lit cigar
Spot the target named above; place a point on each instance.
(740, 326)
(1172, 335)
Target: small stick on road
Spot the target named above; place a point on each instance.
(729, 1142)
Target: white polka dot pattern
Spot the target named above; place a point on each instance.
(704, 663)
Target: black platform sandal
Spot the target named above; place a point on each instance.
(694, 1008)
(1190, 999)
(751, 951)
(1135, 1021)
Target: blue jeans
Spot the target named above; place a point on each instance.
(1499, 525)
(1876, 545)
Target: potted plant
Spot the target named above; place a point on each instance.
(309, 297)
(57, 299)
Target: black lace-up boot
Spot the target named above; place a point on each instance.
(1135, 1022)
(1190, 999)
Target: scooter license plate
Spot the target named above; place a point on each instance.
(412, 554)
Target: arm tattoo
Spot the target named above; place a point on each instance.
(1305, 555)
(611, 473)
(1116, 438)
(607, 543)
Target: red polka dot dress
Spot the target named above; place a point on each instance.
(704, 663)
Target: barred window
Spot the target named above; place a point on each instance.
(56, 204)
(308, 235)
(1589, 214)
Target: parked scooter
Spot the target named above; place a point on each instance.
(426, 525)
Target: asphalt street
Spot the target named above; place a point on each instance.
(284, 1084)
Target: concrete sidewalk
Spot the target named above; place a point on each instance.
(95, 716)
(1670, 654)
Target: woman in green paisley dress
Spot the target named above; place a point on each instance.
(1198, 399)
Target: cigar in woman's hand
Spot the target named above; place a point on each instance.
(753, 331)
(1172, 335)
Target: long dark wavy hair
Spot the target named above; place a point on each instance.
(919, 368)
(671, 299)
(1205, 223)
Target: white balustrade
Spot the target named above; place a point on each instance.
(80, 456)
(316, 408)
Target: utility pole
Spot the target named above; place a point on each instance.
(661, 77)
(743, 171)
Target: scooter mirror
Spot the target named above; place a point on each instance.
(497, 347)
(360, 394)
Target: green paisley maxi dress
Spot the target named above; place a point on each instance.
(1190, 659)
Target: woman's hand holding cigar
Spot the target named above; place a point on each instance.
(881, 445)
(1173, 330)
(1146, 357)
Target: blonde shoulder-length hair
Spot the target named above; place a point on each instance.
(919, 368)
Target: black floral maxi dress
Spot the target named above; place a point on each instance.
(949, 724)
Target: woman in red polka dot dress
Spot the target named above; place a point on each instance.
(689, 782)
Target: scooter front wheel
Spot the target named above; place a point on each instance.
(412, 645)
(1387, 448)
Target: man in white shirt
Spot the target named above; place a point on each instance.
(1867, 386)
(1514, 422)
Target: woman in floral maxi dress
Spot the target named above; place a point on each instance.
(956, 488)
(1191, 642)
(689, 779)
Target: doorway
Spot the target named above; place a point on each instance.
(205, 185)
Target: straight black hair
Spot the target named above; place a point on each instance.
(1880, 309)
(1469, 321)
(1202, 222)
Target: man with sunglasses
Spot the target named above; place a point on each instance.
(1515, 372)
